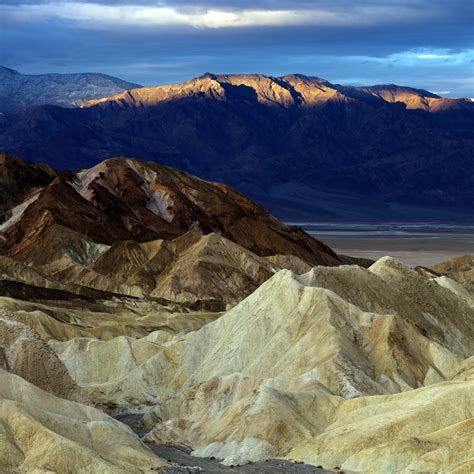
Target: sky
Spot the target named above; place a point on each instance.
(427, 44)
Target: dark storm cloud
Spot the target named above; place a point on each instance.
(421, 43)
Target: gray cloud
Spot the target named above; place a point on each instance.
(430, 47)
(103, 16)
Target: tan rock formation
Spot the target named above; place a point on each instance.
(208, 270)
(188, 269)
(125, 272)
(460, 269)
(64, 320)
(457, 288)
(40, 432)
(272, 371)
(25, 354)
(424, 430)
(289, 262)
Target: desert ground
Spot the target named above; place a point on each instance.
(136, 293)
(413, 251)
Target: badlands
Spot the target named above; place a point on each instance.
(135, 290)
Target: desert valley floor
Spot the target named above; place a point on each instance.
(413, 244)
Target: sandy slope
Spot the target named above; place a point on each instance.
(46, 423)
(275, 370)
(41, 432)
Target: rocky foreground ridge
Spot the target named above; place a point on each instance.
(132, 288)
(278, 374)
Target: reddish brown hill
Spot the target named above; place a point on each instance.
(57, 206)
(127, 199)
(169, 202)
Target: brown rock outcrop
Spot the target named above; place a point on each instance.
(126, 199)
(460, 269)
(24, 353)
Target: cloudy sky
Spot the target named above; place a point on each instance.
(422, 43)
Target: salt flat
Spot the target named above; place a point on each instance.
(411, 243)
(413, 251)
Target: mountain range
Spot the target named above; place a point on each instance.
(301, 146)
(18, 91)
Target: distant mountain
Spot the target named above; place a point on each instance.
(18, 91)
(303, 147)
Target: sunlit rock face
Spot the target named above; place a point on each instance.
(18, 91)
(290, 91)
(273, 375)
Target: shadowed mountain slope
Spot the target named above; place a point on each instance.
(300, 145)
(18, 91)
(18, 179)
